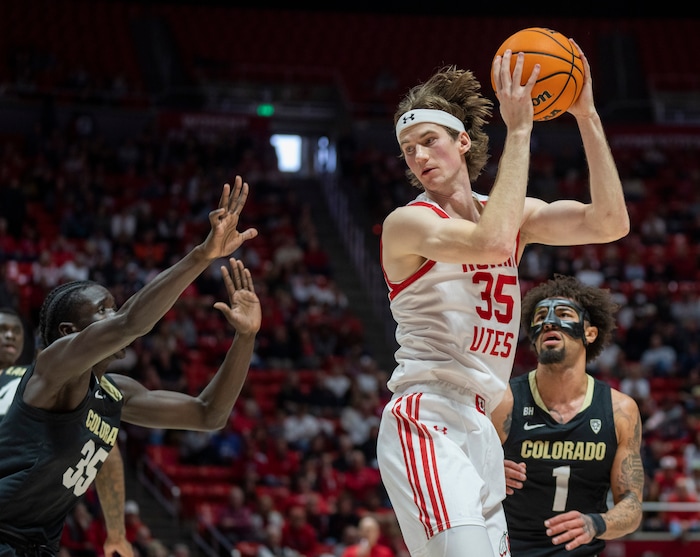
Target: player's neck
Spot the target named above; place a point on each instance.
(562, 389)
(461, 204)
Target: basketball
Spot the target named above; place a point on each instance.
(561, 69)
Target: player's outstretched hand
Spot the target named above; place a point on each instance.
(224, 237)
(243, 310)
(515, 475)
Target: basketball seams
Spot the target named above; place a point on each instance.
(566, 45)
(556, 90)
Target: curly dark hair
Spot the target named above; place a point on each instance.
(59, 307)
(456, 92)
(596, 301)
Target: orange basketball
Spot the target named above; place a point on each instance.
(561, 69)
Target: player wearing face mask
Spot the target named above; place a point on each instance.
(568, 438)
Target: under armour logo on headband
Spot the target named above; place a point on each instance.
(426, 115)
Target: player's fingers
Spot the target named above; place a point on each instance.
(237, 273)
(506, 77)
(518, 70)
(228, 281)
(225, 195)
(240, 195)
(248, 283)
(496, 71)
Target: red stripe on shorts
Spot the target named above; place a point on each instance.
(406, 410)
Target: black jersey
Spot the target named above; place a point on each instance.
(49, 459)
(9, 381)
(568, 466)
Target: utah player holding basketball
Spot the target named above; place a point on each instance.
(64, 420)
(450, 261)
(568, 438)
(110, 480)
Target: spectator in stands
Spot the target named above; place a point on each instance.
(682, 522)
(633, 268)
(273, 544)
(297, 533)
(343, 515)
(8, 291)
(132, 519)
(265, 515)
(635, 382)
(235, 519)
(301, 426)
(659, 357)
(156, 548)
(691, 456)
(369, 544)
(283, 460)
(667, 421)
(665, 478)
(360, 416)
(195, 447)
(321, 399)
(83, 534)
(137, 531)
(181, 550)
(316, 259)
(227, 445)
(281, 350)
(361, 479)
(337, 381)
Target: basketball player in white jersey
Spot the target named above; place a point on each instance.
(450, 261)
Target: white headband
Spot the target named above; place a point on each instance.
(422, 115)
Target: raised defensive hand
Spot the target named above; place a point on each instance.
(243, 311)
(224, 237)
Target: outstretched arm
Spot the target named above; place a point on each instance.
(626, 483)
(111, 492)
(76, 353)
(211, 409)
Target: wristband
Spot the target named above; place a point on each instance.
(598, 524)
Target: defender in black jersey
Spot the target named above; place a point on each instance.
(65, 417)
(568, 438)
(109, 482)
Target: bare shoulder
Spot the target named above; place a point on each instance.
(405, 228)
(626, 414)
(623, 403)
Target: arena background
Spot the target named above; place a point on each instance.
(122, 109)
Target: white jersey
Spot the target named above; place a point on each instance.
(457, 323)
